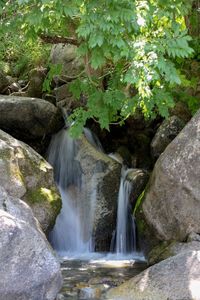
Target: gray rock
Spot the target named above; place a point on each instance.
(65, 55)
(171, 205)
(167, 131)
(176, 278)
(26, 175)
(29, 118)
(193, 237)
(165, 250)
(105, 171)
(139, 179)
(28, 266)
(90, 293)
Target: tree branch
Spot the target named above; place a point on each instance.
(58, 39)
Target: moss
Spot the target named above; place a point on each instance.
(139, 201)
(42, 195)
(162, 251)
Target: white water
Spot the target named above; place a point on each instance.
(124, 239)
(72, 232)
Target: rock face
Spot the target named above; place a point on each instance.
(29, 118)
(166, 250)
(138, 178)
(171, 205)
(175, 278)
(103, 172)
(26, 175)
(167, 131)
(28, 267)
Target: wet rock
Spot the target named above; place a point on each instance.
(29, 118)
(138, 179)
(105, 171)
(167, 131)
(170, 209)
(26, 175)
(28, 267)
(175, 278)
(90, 293)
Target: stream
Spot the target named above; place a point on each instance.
(91, 278)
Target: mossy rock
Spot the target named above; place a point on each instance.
(26, 175)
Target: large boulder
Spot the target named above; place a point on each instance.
(170, 209)
(26, 175)
(175, 278)
(29, 118)
(28, 266)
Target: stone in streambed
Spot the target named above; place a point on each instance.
(175, 278)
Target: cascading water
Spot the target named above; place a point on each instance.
(124, 239)
(73, 229)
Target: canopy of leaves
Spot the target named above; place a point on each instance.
(128, 43)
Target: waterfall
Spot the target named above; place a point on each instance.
(73, 229)
(124, 238)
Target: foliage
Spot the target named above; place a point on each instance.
(18, 55)
(129, 44)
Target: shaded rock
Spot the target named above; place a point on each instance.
(4, 82)
(105, 172)
(193, 237)
(170, 209)
(175, 278)
(29, 118)
(139, 179)
(167, 131)
(165, 250)
(36, 79)
(125, 154)
(28, 267)
(26, 175)
(181, 111)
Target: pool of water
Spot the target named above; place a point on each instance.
(91, 277)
